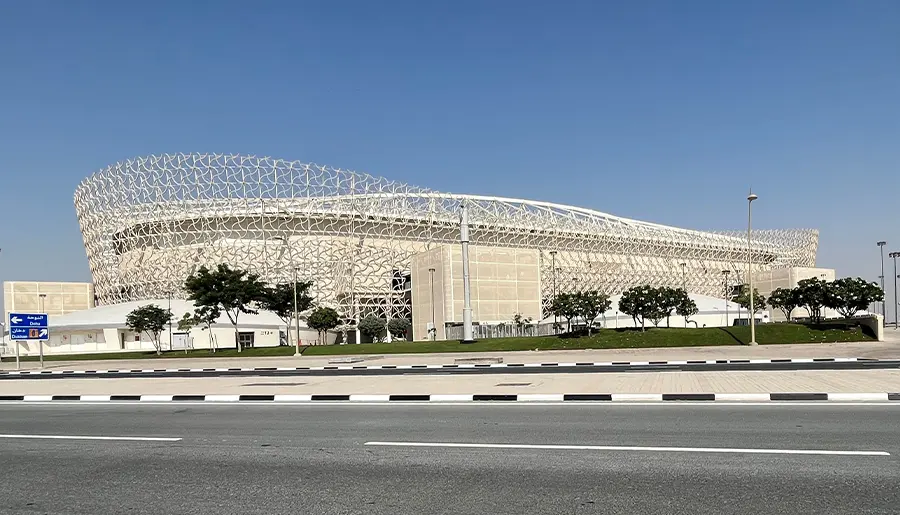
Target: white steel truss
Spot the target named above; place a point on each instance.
(148, 222)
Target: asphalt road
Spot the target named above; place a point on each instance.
(514, 368)
(319, 459)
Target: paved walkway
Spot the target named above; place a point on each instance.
(650, 382)
(879, 350)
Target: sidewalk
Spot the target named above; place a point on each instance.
(637, 383)
(876, 350)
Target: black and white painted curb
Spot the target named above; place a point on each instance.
(610, 366)
(453, 398)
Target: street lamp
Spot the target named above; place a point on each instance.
(553, 267)
(433, 318)
(467, 292)
(881, 245)
(725, 276)
(684, 285)
(296, 318)
(750, 198)
(894, 256)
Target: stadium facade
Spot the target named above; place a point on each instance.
(374, 246)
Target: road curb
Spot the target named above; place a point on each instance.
(611, 366)
(454, 398)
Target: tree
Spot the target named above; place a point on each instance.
(849, 296)
(371, 326)
(188, 321)
(399, 327)
(520, 321)
(150, 319)
(590, 304)
(686, 306)
(564, 305)
(323, 319)
(658, 304)
(743, 299)
(279, 299)
(669, 299)
(228, 290)
(812, 296)
(786, 300)
(642, 303)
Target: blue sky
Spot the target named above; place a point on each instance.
(667, 111)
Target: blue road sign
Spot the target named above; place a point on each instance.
(28, 326)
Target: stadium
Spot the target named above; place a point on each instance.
(374, 246)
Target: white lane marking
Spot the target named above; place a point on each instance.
(726, 450)
(305, 400)
(77, 437)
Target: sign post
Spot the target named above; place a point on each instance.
(29, 327)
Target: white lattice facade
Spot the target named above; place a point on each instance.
(149, 222)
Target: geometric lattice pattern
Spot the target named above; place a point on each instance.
(149, 222)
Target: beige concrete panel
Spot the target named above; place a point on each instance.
(506, 293)
(488, 291)
(486, 271)
(506, 272)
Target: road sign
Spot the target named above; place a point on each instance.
(29, 326)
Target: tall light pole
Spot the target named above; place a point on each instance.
(553, 302)
(750, 198)
(467, 293)
(433, 318)
(725, 276)
(296, 318)
(684, 285)
(169, 293)
(894, 256)
(881, 245)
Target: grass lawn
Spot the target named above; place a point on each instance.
(620, 339)
(766, 334)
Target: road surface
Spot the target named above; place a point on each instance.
(479, 459)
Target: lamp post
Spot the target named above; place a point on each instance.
(433, 318)
(750, 198)
(169, 293)
(894, 256)
(881, 245)
(725, 276)
(296, 319)
(684, 285)
(553, 268)
(467, 293)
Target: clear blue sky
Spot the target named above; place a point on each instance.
(667, 111)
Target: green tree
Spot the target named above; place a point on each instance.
(686, 306)
(786, 300)
(668, 300)
(564, 305)
(188, 321)
(659, 304)
(279, 299)
(642, 303)
(812, 296)
(590, 304)
(150, 319)
(371, 326)
(850, 295)
(399, 327)
(228, 290)
(323, 319)
(743, 299)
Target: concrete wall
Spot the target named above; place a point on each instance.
(122, 340)
(61, 297)
(503, 281)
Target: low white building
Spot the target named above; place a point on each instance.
(103, 329)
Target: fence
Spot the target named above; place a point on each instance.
(501, 331)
